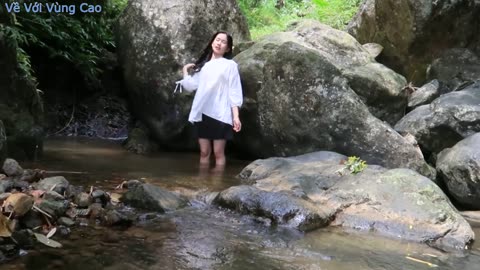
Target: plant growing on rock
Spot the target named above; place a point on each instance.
(353, 165)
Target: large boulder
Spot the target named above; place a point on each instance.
(399, 203)
(459, 167)
(414, 32)
(456, 68)
(21, 109)
(155, 39)
(299, 98)
(445, 121)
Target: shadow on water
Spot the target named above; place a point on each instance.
(202, 236)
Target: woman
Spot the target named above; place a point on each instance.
(215, 107)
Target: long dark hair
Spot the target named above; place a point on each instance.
(207, 52)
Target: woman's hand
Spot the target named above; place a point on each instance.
(187, 68)
(237, 125)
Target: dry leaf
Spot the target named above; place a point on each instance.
(5, 226)
(19, 203)
(115, 198)
(48, 242)
(52, 232)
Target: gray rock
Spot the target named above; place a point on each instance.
(398, 203)
(6, 185)
(159, 37)
(413, 32)
(459, 167)
(424, 95)
(373, 48)
(52, 196)
(445, 121)
(282, 208)
(21, 108)
(83, 200)
(12, 168)
(116, 218)
(299, 100)
(456, 68)
(54, 208)
(150, 197)
(66, 221)
(58, 183)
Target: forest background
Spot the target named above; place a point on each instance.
(82, 40)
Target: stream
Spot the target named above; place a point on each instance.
(203, 236)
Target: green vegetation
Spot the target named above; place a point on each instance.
(268, 16)
(353, 165)
(80, 39)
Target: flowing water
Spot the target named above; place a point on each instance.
(202, 236)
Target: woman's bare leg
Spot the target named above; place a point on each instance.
(219, 152)
(205, 151)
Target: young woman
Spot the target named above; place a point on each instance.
(214, 112)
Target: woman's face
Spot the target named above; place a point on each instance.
(220, 44)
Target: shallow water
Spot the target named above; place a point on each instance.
(202, 236)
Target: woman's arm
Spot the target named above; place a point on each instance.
(189, 82)
(237, 125)
(235, 96)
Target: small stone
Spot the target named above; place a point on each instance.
(53, 196)
(66, 221)
(83, 200)
(12, 168)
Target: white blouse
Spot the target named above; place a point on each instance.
(218, 90)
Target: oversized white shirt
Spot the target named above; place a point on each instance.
(218, 90)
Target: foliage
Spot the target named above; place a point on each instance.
(264, 17)
(80, 39)
(353, 165)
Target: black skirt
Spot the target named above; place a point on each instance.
(212, 129)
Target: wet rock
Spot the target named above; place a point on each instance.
(53, 196)
(54, 208)
(32, 219)
(116, 218)
(100, 196)
(83, 200)
(459, 168)
(150, 197)
(20, 185)
(23, 238)
(9, 251)
(58, 183)
(31, 176)
(63, 230)
(12, 168)
(133, 183)
(399, 203)
(147, 216)
(139, 142)
(66, 221)
(283, 208)
(6, 185)
(96, 210)
(425, 94)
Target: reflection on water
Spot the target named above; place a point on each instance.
(205, 237)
